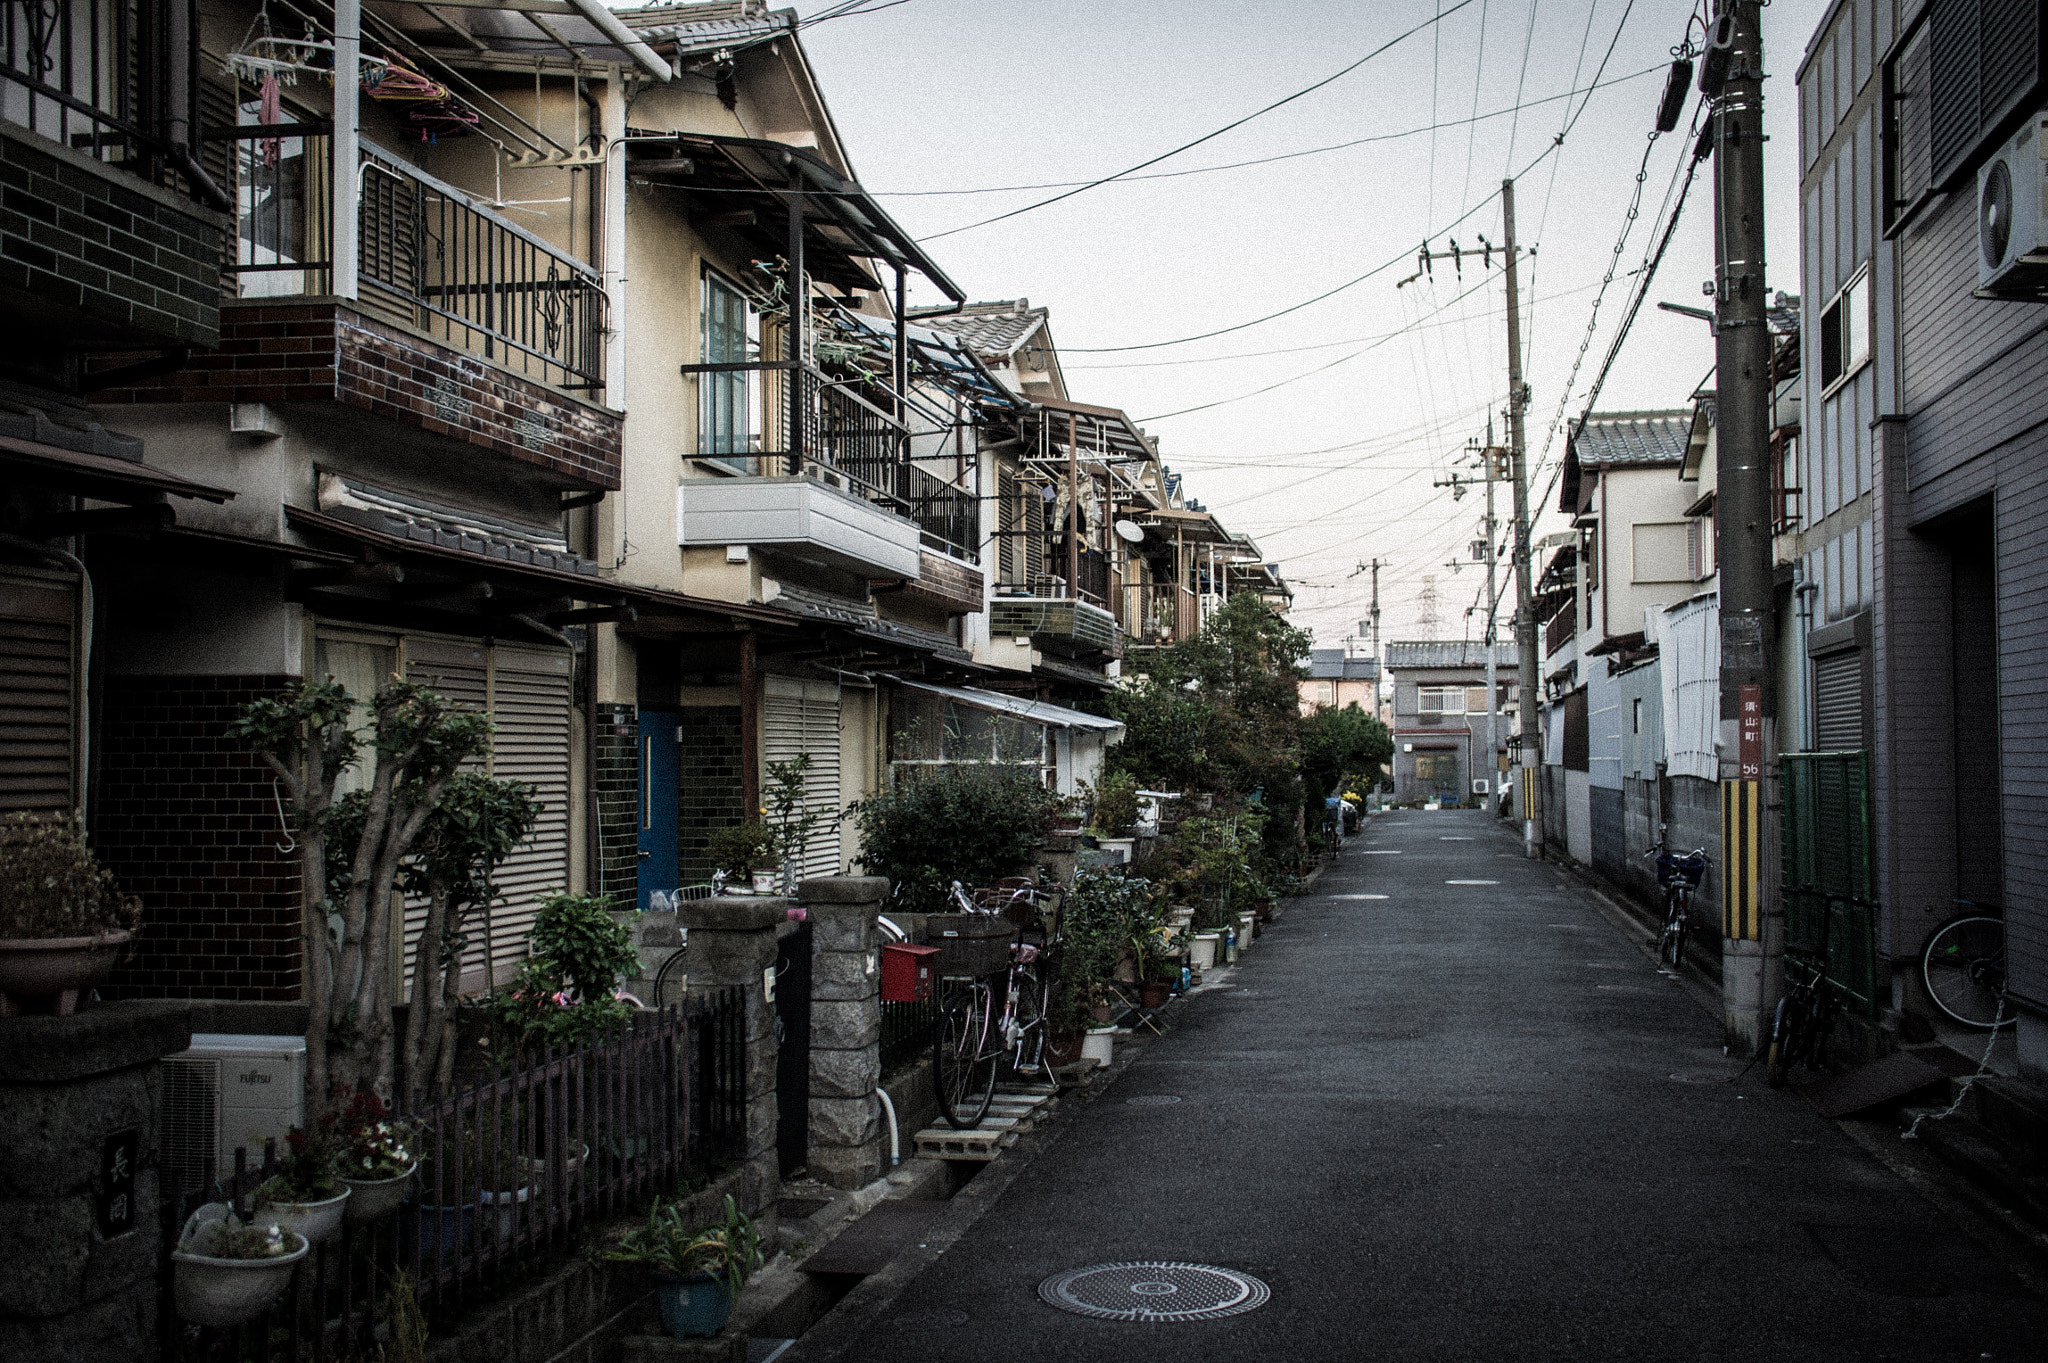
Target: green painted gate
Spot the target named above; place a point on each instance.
(1830, 868)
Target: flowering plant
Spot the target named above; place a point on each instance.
(535, 1009)
(309, 1171)
(375, 1144)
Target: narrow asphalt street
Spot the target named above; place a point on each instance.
(1447, 1110)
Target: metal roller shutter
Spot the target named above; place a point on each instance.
(39, 678)
(1838, 702)
(803, 717)
(526, 692)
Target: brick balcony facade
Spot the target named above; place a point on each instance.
(322, 350)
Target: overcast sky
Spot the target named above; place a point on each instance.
(1375, 391)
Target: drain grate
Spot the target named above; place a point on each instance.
(1152, 1100)
(1154, 1291)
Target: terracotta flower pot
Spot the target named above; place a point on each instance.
(54, 971)
(1154, 994)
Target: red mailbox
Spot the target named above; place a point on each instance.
(908, 972)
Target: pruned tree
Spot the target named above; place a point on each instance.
(478, 823)
(418, 739)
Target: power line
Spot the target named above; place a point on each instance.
(1205, 137)
(1476, 118)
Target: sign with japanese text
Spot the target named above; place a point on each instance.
(114, 1206)
(1750, 732)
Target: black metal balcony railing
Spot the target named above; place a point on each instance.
(947, 516)
(429, 257)
(115, 79)
(848, 441)
(1561, 627)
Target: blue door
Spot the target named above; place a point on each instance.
(658, 812)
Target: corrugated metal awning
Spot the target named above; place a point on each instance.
(1018, 707)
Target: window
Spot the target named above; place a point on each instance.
(732, 335)
(1475, 700)
(1845, 331)
(1326, 693)
(1662, 552)
(1635, 715)
(1443, 700)
(1591, 558)
(1437, 769)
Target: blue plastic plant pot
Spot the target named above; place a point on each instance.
(694, 1306)
(443, 1230)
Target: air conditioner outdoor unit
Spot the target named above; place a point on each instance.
(1482, 787)
(2012, 217)
(228, 1091)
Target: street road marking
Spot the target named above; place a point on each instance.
(1383, 852)
(1457, 839)
(1358, 896)
(1471, 882)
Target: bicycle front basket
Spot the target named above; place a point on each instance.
(970, 943)
(1688, 871)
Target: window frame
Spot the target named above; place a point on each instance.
(731, 395)
(1848, 367)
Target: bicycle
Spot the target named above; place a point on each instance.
(1962, 965)
(1680, 876)
(973, 1036)
(1806, 1015)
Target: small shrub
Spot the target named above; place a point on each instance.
(742, 847)
(51, 885)
(1116, 804)
(975, 824)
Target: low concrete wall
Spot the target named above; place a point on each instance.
(81, 1101)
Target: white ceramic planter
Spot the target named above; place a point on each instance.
(54, 971)
(1123, 846)
(504, 1210)
(1247, 924)
(373, 1198)
(315, 1221)
(1099, 1045)
(536, 1169)
(225, 1292)
(764, 882)
(1202, 954)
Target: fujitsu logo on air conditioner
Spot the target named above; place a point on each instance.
(2012, 216)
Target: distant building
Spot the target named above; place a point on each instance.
(1440, 718)
(1337, 677)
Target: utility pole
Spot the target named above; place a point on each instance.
(1372, 625)
(1494, 457)
(1751, 960)
(1529, 744)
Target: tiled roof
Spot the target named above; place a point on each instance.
(1632, 439)
(1330, 663)
(706, 26)
(428, 522)
(1433, 654)
(989, 328)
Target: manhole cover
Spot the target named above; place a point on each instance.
(1153, 1291)
(1151, 1100)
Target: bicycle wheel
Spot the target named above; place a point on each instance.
(1778, 1060)
(1034, 997)
(1963, 967)
(963, 1058)
(1671, 948)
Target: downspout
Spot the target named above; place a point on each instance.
(1603, 538)
(184, 107)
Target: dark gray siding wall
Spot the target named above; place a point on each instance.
(1610, 851)
(1639, 818)
(1554, 810)
(1976, 379)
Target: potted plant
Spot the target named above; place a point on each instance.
(306, 1194)
(697, 1273)
(497, 1166)
(1116, 813)
(377, 1157)
(443, 1212)
(747, 849)
(62, 926)
(226, 1272)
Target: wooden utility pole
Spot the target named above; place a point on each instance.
(1529, 747)
(1751, 960)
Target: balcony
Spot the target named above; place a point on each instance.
(431, 260)
(802, 516)
(1159, 613)
(1057, 624)
(113, 236)
(1561, 627)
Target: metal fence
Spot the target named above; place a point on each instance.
(948, 517)
(513, 1165)
(1830, 870)
(907, 1031)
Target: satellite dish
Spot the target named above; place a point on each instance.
(1130, 532)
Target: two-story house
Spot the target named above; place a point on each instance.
(1339, 677)
(1440, 709)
